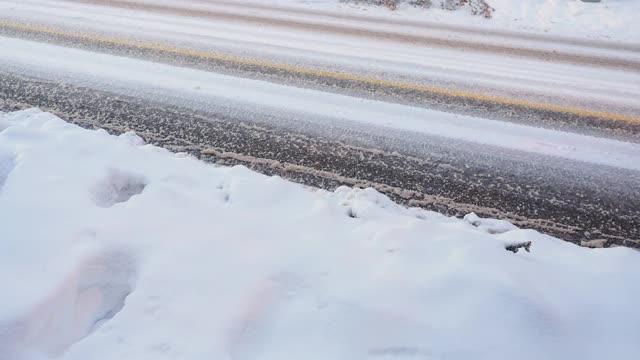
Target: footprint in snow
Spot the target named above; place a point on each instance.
(7, 163)
(117, 187)
(90, 295)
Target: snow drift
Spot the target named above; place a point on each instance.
(113, 249)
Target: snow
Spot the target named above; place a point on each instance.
(171, 84)
(609, 19)
(356, 46)
(113, 249)
(615, 19)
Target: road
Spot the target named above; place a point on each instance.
(542, 131)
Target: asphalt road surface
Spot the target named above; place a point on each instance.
(541, 131)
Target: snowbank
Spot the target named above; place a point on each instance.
(112, 249)
(609, 19)
(617, 19)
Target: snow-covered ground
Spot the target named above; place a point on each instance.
(608, 19)
(113, 249)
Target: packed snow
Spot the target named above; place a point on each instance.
(114, 249)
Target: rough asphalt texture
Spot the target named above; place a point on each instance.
(576, 202)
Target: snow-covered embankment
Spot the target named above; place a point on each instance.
(112, 249)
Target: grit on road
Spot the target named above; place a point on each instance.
(450, 119)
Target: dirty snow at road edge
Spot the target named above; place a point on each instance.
(113, 249)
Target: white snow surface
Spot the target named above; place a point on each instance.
(113, 249)
(608, 19)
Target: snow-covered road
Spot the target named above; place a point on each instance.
(205, 88)
(556, 117)
(590, 74)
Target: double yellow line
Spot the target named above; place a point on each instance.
(324, 73)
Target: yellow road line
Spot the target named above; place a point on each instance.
(325, 73)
